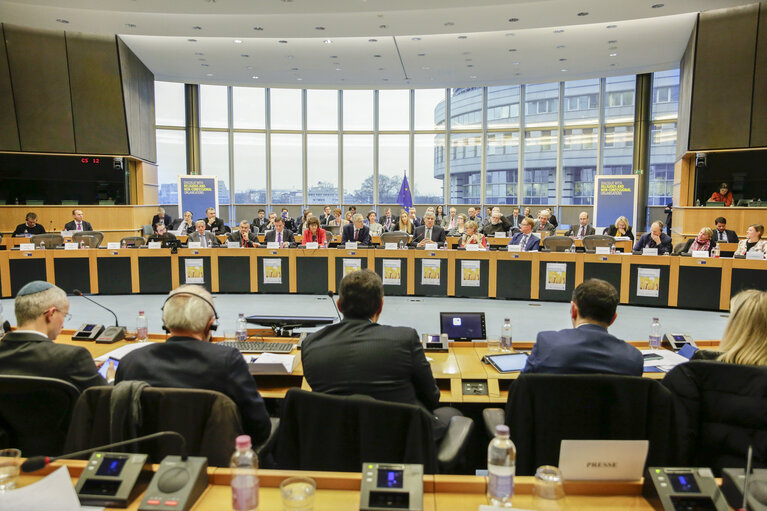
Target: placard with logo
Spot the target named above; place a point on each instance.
(648, 282)
(272, 271)
(392, 272)
(470, 274)
(194, 271)
(352, 265)
(430, 272)
(556, 276)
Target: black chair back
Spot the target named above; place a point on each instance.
(34, 413)
(558, 243)
(591, 242)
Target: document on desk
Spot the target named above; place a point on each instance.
(122, 351)
(54, 491)
(270, 363)
(667, 362)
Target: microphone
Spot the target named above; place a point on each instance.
(38, 462)
(330, 294)
(80, 293)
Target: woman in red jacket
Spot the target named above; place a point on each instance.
(314, 232)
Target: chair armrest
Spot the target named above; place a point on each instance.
(455, 442)
(268, 446)
(493, 417)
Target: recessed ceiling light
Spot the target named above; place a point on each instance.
(463, 37)
(287, 1)
(299, 79)
(473, 76)
(612, 65)
(372, 40)
(199, 53)
(513, 20)
(334, 56)
(426, 67)
(327, 41)
(208, 74)
(560, 46)
(613, 54)
(202, 60)
(612, 26)
(288, 57)
(448, 23)
(130, 25)
(421, 54)
(381, 68)
(415, 38)
(282, 41)
(583, 13)
(512, 50)
(205, 65)
(559, 31)
(562, 60)
(377, 56)
(338, 69)
(657, 6)
(515, 63)
(237, 41)
(192, 40)
(249, 67)
(294, 69)
(383, 26)
(469, 65)
(62, 20)
(468, 60)
(612, 41)
(254, 77)
(197, 27)
(319, 28)
(517, 74)
(258, 28)
(563, 70)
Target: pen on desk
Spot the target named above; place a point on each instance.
(747, 479)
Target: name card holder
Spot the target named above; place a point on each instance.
(232, 244)
(312, 245)
(154, 244)
(26, 246)
(351, 245)
(602, 250)
(194, 244)
(473, 247)
(650, 251)
(700, 253)
(272, 244)
(514, 248)
(71, 246)
(501, 235)
(430, 246)
(390, 246)
(753, 254)
(113, 245)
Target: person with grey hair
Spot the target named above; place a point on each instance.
(188, 360)
(243, 236)
(41, 309)
(543, 223)
(356, 231)
(429, 232)
(204, 237)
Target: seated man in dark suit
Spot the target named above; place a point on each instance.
(543, 223)
(280, 234)
(656, 238)
(205, 238)
(162, 217)
(359, 356)
(584, 228)
(212, 222)
(77, 223)
(161, 234)
(722, 234)
(429, 232)
(525, 237)
(183, 226)
(188, 360)
(243, 236)
(496, 223)
(30, 226)
(260, 222)
(356, 231)
(41, 309)
(587, 347)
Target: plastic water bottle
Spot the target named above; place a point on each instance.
(241, 333)
(506, 335)
(142, 333)
(501, 467)
(715, 251)
(655, 334)
(42, 245)
(244, 467)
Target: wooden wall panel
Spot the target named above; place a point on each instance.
(97, 104)
(38, 65)
(9, 131)
(759, 109)
(724, 73)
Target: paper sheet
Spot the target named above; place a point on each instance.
(668, 362)
(54, 491)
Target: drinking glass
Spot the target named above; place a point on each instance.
(298, 493)
(10, 461)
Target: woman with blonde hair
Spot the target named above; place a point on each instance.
(620, 228)
(471, 236)
(745, 336)
(404, 224)
(753, 241)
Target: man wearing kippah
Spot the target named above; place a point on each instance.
(41, 309)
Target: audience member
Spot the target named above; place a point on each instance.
(30, 226)
(723, 195)
(77, 223)
(488, 216)
(260, 222)
(527, 213)
(243, 236)
(356, 231)
(471, 236)
(213, 223)
(439, 216)
(183, 226)
(187, 359)
(314, 233)
(41, 309)
(587, 347)
(451, 221)
(656, 238)
(352, 210)
(620, 229)
(201, 235)
(515, 219)
(584, 228)
(543, 223)
(525, 237)
(375, 228)
(337, 219)
(753, 241)
(722, 234)
(669, 210)
(326, 215)
(388, 222)
(162, 218)
(552, 219)
(496, 224)
(348, 218)
(161, 234)
(290, 224)
(271, 222)
(429, 232)
(744, 340)
(704, 241)
(473, 217)
(404, 224)
(280, 234)
(414, 218)
(307, 215)
(460, 224)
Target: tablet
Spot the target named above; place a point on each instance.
(106, 364)
(508, 363)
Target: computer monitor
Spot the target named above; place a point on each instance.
(463, 326)
(284, 325)
(714, 204)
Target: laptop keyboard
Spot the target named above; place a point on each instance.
(259, 346)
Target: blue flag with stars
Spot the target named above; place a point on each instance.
(405, 199)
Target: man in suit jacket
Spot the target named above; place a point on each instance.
(41, 309)
(525, 237)
(280, 234)
(77, 223)
(722, 234)
(161, 215)
(161, 234)
(359, 356)
(496, 223)
(515, 219)
(260, 222)
(429, 232)
(656, 238)
(183, 226)
(212, 222)
(587, 347)
(417, 220)
(188, 360)
(543, 223)
(584, 228)
(356, 231)
(243, 236)
(206, 238)
(326, 215)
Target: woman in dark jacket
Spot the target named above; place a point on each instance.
(620, 228)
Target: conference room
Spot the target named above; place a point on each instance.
(275, 156)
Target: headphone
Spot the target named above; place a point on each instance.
(213, 327)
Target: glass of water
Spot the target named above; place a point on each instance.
(548, 490)
(10, 461)
(298, 493)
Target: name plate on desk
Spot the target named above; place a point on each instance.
(66, 234)
(351, 245)
(604, 460)
(232, 244)
(649, 251)
(194, 244)
(26, 246)
(430, 246)
(753, 254)
(272, 244)
(113, 245)
(154, 244)
(313, 245)
(602, 250)
(700, 253)
(514, 248)
(501, 235)
(472, 247)
(70, 246)
(390, 246)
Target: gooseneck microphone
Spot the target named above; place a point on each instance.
(77, 292)
(38, 462)
(330, 294)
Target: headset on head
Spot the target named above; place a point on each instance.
(213, 327)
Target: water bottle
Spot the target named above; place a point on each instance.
(697, 202)
(655, 334)
(244, 477)
(42, 245)
(241, 333)
(715, 251)
(501, 466)
(506, 335)
(82, 245)
(142, 334)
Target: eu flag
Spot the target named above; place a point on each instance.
(405, 199)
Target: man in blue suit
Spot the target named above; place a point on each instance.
(587, 347)
(356, 231)
(656, 238)
(525, 237)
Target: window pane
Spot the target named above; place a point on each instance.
(429, 109)
(287, 169)
(618, 150)
(285, 109)
(542, 105)
(540, 167)
(502, 168)
(582, 102)
(171, 161)
(665, 94)
(466, 108)
(662, 156)
(322, 169)
(358, 169)
(619, 100)
(429, 172)
(465, 165)
(503, 107)
(322, 110)
(579, 165)
(214, 158)
(213, 109)
(169, 104)
(393, 164)
(250, 168)
(358, 110)
(249, 108)
(394, 110)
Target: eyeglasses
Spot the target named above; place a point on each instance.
(67, 316)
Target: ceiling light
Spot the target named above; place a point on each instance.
(562, 60)
(421, 54)
(612, 41)
(469, 65)
(205, 65)
(192, 40)
(657, 6)
(62, 20)
(583, 13)
(473, 76)
(377, 56)
(202, 60)
(513, 20)
(244, 55)
(208, 74)
(517, 74)
(319, 28)
(338, 69)
(334, 56)
(282, 41)
(327, 41)
(299, 79)
(559, 31)
(130, 25)
(612, 65)
(448, 23)
(415, 38)
(258, 28)
(426, 67)
(561, 46)
(466, 53)
(383, 26)
(249, 68)
(197, 27)
(515, 63)
(372, 40)
(254, 77)
(510, 34)
(199, 53)
(288, 56)
(463, 37)
(613, 54)
(512, 49)
(237, 41)
(563, 70)
(294, 69)
(468, 60)
(381, 68)
(287, 1)
(612, 26)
